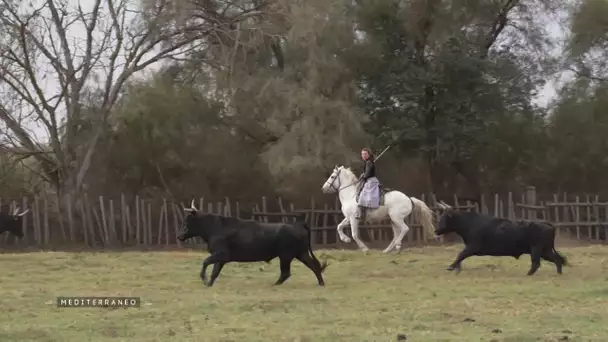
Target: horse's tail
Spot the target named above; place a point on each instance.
(425, 215)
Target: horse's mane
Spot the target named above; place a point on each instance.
(349, 172)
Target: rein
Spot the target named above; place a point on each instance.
(348, 186)
(338, 188)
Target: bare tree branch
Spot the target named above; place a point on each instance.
(586, 74)
(498, 25)
(42, 45)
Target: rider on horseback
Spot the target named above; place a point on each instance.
(368, 191)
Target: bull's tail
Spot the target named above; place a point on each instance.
(323, 265)
(425, 215)
(562, 258)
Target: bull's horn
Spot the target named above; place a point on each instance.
(23, 213)
(15, 211)
(442, 205)
(192, 206)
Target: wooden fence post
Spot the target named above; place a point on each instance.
(531, 200)
(43, 224)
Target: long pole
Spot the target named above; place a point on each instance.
(381, 153)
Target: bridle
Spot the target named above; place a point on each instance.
(335, 177)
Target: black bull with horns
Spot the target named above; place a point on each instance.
(493, 236)
(12, 222)
(231, 239)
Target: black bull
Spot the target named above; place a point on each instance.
(231, 239)
(12, 223)
(486, 235)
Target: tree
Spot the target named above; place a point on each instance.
(121, 38)
(286, 89)
(439, 77)
(577, 155)
(587, 49)
(167, 139)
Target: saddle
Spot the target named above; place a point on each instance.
(383, 192)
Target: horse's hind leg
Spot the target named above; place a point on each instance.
(404, 230)
(392, 244)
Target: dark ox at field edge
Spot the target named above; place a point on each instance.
(12, 223)
(484, 235)
(230, 239)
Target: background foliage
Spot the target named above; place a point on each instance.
(261, 97)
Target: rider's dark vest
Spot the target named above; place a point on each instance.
(369, 169)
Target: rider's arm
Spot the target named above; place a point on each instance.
(367, 173)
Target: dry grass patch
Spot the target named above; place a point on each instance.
(367, 298)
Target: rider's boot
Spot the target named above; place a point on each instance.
(361, 211)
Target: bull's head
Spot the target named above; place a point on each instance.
(444, 226)
(13, 224)
(189, 224)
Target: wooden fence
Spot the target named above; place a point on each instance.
(116, 222)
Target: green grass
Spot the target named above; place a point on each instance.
(371, 297)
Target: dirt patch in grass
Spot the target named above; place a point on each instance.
(370, 297)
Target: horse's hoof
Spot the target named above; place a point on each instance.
(388, 250)
(346, 240)
(365, 250)
(451, 268)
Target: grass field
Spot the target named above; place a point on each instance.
(371, 297)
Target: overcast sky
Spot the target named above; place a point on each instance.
(76, 33)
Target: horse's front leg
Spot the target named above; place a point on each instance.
(340, 230)
(354, 228)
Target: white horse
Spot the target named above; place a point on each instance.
(397, 206)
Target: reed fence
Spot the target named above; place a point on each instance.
(117, 222)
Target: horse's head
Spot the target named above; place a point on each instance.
(340, 177)
(332, 184)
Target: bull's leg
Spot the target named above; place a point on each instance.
(217, 268)
(340, 230)
(465, 253)
(212, 259)
(307, 260)
(535, 255)
(285, 270)
(550, 256)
